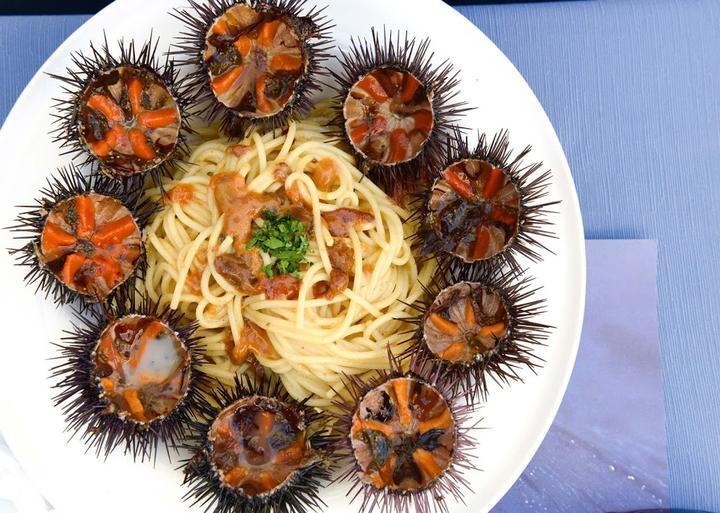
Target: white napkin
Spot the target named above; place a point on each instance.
(17, 493)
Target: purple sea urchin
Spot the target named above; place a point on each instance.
(129, 378)
(397, 108)
(257, 62)
(487, 207)
(476, 324)
(257, 450)
(127, 113)
(405, 437)
(83, 237)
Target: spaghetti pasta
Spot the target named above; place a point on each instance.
(313, 339)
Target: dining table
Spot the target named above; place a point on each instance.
(632, 88)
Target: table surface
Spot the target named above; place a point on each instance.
(632, 89)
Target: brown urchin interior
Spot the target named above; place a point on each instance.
(475, 209)
(403, 435)
(258, 443)
(128, 120)
(388, 116)
(465, 320)
(255, 60)
(143, 367)
(91, 243)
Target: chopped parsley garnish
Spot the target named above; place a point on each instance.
(284, 238)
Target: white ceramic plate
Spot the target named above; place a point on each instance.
(517, 418)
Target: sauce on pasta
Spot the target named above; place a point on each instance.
(337, 314)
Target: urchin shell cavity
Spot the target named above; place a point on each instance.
(403, 435)
(254, 59)
(257, 444)
(475, 208)
(388, 116)
(129, 120)
(91, 243)
(465, 321)
(142, 367)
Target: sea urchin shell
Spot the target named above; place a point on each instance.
(129, 378)
(487, 207)
(257, 450)
(127, 113)
(476, 325)
(84, 237)
(257, 61)
(406, 438)
(397, 108)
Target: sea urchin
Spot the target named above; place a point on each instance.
(257, 450)
(397, 108)
(256, 61)
(129, 378)
(83, 237)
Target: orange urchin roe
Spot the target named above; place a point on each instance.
(403, 435)
(475, 207)
(91, 243)
(143, 367)
(325, 174)
(129, 120)
(258, 443)
(388, 116)
(465, 320)
(255, 60)
(182, 194)
(240, 206)
(253, 340)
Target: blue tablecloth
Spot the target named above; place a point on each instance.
(632, 89)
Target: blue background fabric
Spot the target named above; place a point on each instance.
(632, 89)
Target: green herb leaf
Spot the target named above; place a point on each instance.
(284, 238)
(273, 243)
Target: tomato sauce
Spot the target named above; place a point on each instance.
(340, 220)
(253, 341)
(239, 206)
